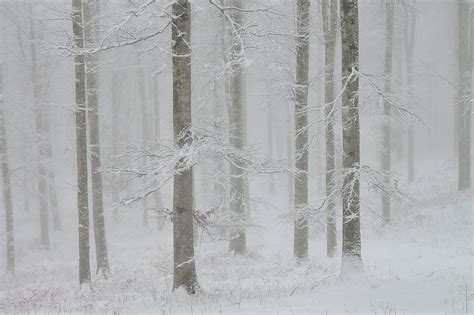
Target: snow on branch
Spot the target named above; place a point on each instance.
(158, 163)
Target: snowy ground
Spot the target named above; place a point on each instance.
(422, 263)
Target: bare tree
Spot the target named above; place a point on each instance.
(301, 126)
(237, 133)
(184, 260)
(410, 30)
(38, 96)
(6, 185)
(92, 88)
(464, 96)
(81, 147)
(351, 238)
(387, 116)
(330, 18)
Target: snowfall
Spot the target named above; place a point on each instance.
(420, 263)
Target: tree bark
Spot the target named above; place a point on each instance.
(42, 146)
(92, 86)
(184, 260)
(387, 115)
(6, 185)
(237, 133)
(410, 29)
(464, 97)
(144, 121)
(81, 147)
(156, 132)
(300, 247)
(329, 15)
(351, 238)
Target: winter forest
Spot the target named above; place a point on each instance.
(236, 156)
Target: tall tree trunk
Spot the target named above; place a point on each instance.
(81, 148)
(237, 133)
(92, 88)
(38, 89)
(329, 15)
(144, 121)
(410, 29)
(6, 185)
(464, 97)
(387, 115)
(269, 111)
(184, 260)
(300, 247)
(351, 238)
(156, 132)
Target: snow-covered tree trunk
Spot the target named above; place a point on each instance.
(6, 185)
(237, 133)
(410, 29)
(385, 157)
(330, 17)
(464, 96)
(92, 82)
(81, 147)
(41, 144)
(300, 246)
(184, 260)
(351, 238)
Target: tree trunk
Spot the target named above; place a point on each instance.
(92, 81)
(269, 111)
(81, 148)
(301, 127)
(329, 11)
(351, 238)
(410, 29)
(387, 116)
(238, 183)
(184, 260)
(144, 121)
(42, 146)
(464, 97)
(6, 185)
(156, 132)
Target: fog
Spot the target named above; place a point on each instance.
(180, 156)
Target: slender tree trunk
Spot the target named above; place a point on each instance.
(329, 11)
(42, 146)
(301, 127)
(410, 29)
(6, 185)
(92, 81)
(144, 121)
(269, 111)
(464, 97)
(184, 260)
(156, 132)
(81, 148)
(387, 116)
(238, 183)
(351, 238)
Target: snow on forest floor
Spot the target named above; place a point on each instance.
(421, 263)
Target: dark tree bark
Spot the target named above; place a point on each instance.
(351, 238)
(184, 260)
(81, 147)
(300, 247)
